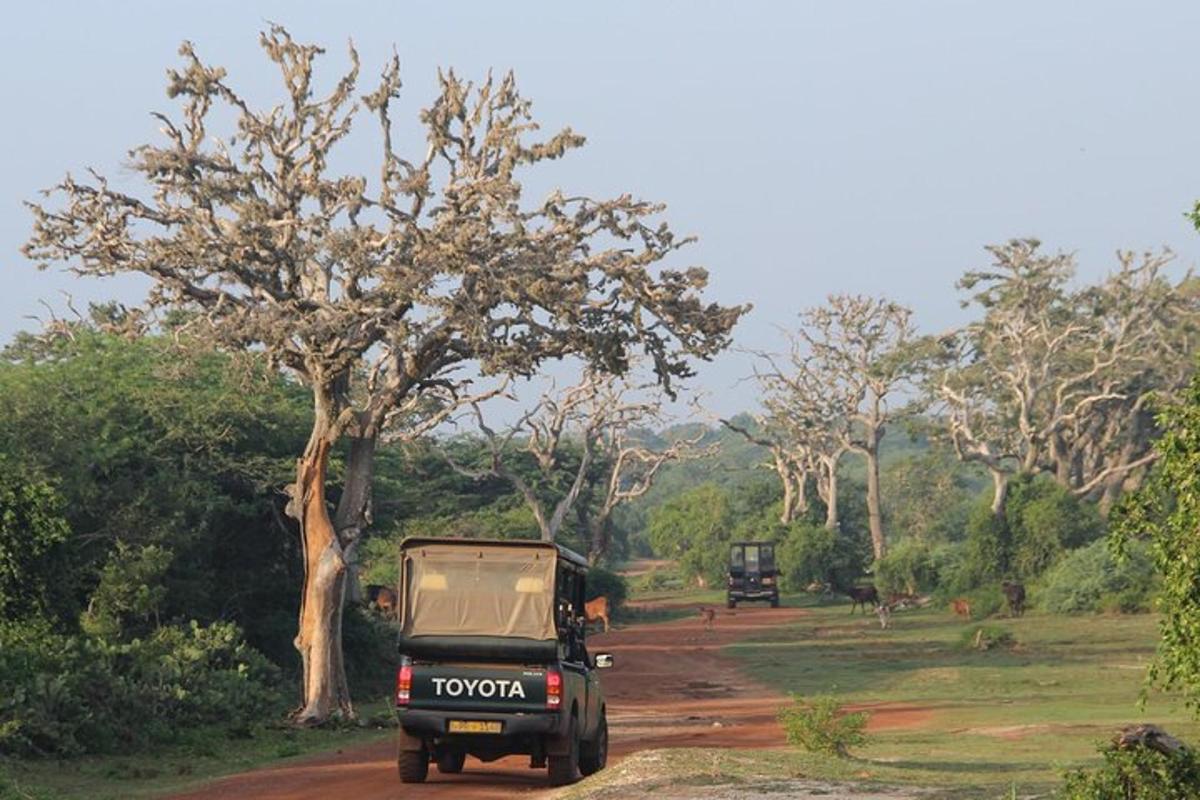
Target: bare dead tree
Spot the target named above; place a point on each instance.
(834, 393)
(790, 460)
(600, 415)
(373, 290)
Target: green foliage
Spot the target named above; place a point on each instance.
(32, 532)
(1042, 521)
(929, 496)
(1166, 512)
(130, 593)
(986, 637)
(1093, 578)
(1136, 772)
(70, 694)
(816, 725)
(369, 647)
(694, 529)
(155, 443)
(909, 567)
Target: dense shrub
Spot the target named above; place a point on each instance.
(32, 533)
(817, 725)
(812, 552)
(909, 567)
(1041, 523)
(64, 695)
(1137, 772)
(1092, 579)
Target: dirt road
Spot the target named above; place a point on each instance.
(670, 688)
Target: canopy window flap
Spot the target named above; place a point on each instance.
(479, 590)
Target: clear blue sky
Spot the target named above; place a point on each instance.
(814, 147)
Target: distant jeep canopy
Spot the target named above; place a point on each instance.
(474, 588)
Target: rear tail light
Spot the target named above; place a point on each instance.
(554, 684)
(403, 685)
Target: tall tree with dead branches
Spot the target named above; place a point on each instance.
(600, 417)
(835, 392)
(1063, 381)
(376, 291)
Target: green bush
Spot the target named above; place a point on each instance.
(811, 552)
(1091, 579)
(816, 725)
(1137, 772)
(65, 695)
(910, 567)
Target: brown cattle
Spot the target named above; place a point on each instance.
(861, 595)
(597, 610)
(382, 599)
(708, 615)
(1014, 593)
(961, 607)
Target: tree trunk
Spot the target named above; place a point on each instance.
(598, 539)
(325, 692)
(789, 497)
(354, 510)
(874, 504)
(831, 498)
(999, 492)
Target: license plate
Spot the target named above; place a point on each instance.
(474, 726)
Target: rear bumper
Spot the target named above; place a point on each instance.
(420, 722)
(758, 594)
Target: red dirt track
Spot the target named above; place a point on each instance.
(670, 688)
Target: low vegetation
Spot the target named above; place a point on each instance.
(820, 725)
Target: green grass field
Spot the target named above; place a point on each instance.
(170, 769)
(981, 722)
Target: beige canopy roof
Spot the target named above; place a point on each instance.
(467, 588)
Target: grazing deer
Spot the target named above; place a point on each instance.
(708, 615)
(597, 610)
(861, 596)
(1014, 593)
(962, 607)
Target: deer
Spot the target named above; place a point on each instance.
(961, 607)
(597, 610)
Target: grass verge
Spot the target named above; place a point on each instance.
(203, 757)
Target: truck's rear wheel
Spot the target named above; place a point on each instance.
(730, 602)
(564, 769)
(775, 601)
(594, 755)
(450, 762)
(413, 765)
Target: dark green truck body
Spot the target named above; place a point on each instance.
(528, 688)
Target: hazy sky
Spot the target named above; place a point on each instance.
(813, 147)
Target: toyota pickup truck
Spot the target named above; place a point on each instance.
(493, 659)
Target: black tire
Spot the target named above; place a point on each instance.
(775, 601)
(450, 762)
(594, 755)
(565, 769)
(730, 602)
(413, 765)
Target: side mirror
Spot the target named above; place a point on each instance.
(603, 660)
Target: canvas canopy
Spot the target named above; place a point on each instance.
(479, 590)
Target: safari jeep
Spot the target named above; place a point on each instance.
(752, 573)
(493, 660)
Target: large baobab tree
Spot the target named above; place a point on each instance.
(1062, 381)
(375, 291)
